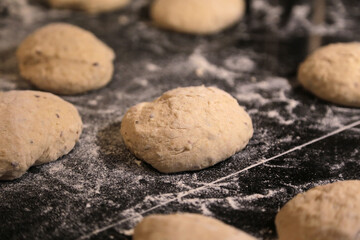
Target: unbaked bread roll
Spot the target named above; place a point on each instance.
(329, 212)
(186, 226)
(187, 129)
(197, 16)
(65, 59)
(333, 73)
(35, 128)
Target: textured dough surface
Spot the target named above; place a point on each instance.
(186, 226)
(65, 59)
(186, 129)
(333, 73)
(197, 16)
(329, 212)
(90, 6)
(35, 128)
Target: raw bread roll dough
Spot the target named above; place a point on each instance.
(65, 59)
(197, 16)
(329, 212)
(91, 6)
(333, 73)
(185, 227)
(35, 128)
(186, 129)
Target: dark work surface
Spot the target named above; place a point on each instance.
(100, 191)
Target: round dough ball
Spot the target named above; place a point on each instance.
(186, 226)
(65, 59)
(90, 6)
(333, 73)
(329, 212)
(197, 16)
(186, 129)
(35, 128)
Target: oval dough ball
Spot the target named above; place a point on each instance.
(333, 73)
(35, 128)
(65, 59)
(186, 226)
(186, 129)
(329, 212)
(197, 16)
(90, 6)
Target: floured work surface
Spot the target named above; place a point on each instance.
(100, 191)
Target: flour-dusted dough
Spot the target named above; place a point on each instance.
(186, 129)
(329, 212)
(90, 6)
(186, 226)
(333, 73)
(65, 59)
(35, 128)
(197, 16)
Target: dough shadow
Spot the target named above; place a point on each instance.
(114, 154)
(9, 67)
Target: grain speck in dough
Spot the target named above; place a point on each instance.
(35, 128)
(333, 73)
(329, 212)
(186, 226)
(90, 6)
(186, 129)
(197, 16)
(65, 59)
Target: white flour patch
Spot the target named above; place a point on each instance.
(152, 67)
(202, 66)
(240, 63)
(274, 114)
(268, 92)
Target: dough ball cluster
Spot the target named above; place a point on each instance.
(329, 212)
(65, 59)
(186, 129)
(197, 16)
(183, 226)
(35, 128)
(90, 6)
(333, 73)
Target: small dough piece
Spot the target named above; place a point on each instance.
(197, 16)
(35, 128)
(65, 59)
(187, 129)
(333, 73)
(186, 226)
(329, 212)
(90, 6)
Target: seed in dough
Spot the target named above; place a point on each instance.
(35, 128)
(65, 59)
(186, 129)
(90, 6)
(197, 16)
(333, 73)
(329, 212)
(184, 226)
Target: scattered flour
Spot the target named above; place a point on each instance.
(202, 66)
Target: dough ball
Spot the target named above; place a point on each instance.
(186, 129)
(333, 73)
(197, 16)
(186, 226)
(90, 6)
(329, 212)
(65, 59)
(35, 128)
